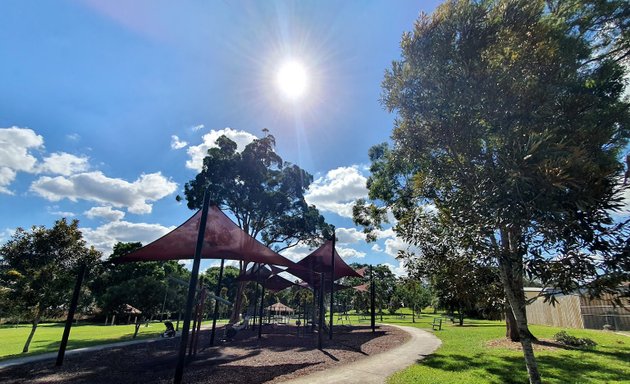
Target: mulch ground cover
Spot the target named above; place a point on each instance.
(279, 355)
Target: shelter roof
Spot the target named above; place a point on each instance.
(279, 307)
(128, 309)
(222, 240)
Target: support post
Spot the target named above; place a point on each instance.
(179, 371)
(372, 299)
(216, 303)
(262, 302)
(255, 297)
(321, 311)
(73, 307)
(332, 285)
(164, 302)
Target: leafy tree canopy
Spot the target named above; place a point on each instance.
(38, 269)
(511, 124)
(147, 286)
(265, 193)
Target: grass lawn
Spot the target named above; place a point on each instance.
(48, 336)
(465, 358)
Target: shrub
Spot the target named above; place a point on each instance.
(579, 342)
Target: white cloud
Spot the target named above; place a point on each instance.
(338, 190)
(213, 263)
(62, 163)
(397, 270)
(54, 210)
(377, 248)
(106, 236)
(176, 143)
(7, 175)
(73, 137)
(349, 235)
(198, 152)
(393, 245)
(346, 253)
(16, 146)
(198, 127)
(96, 187)
(106, 213)
(6, 234)
(297, 253)
(15, 153)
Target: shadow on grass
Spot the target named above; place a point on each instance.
(560, 368)
(478, 325)
(44, 346)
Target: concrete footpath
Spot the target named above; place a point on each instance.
(376, 369)
(53, 355)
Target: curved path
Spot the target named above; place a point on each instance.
(376, 369)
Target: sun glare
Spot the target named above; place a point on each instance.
(292, 80)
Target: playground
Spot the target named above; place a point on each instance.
(281, 354)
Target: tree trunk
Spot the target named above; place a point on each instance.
(137, 328)
(413, 314)
(30, 336)
(460, 312)
(238, 300)
(511, 329)
(511, 273)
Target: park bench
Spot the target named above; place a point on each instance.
(437, 322)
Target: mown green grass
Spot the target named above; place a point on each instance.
(48, 336)
(464, 357)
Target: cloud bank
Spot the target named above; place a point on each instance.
(338, 190)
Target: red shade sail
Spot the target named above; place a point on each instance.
(222, 240)
(267, 277)
(320, 261)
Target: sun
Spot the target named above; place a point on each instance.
(292, 79)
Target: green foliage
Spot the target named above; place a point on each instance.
(228, 282)
(265, 193)
(511, 128)
(413, 294)
(38, 269)
(580, 342)
(461, 280)
(144, 286)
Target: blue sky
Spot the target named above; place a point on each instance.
(107, 106)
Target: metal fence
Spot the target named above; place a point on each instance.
(574, 311)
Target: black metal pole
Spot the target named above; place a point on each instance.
(372, 300)
(216, 303)
(321, 311)
(332, 285)
(255, 297)
(262, 301)
(73, 307)
(179, 371)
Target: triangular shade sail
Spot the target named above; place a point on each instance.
(222, 240)
(320, 261)
(267, 277)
